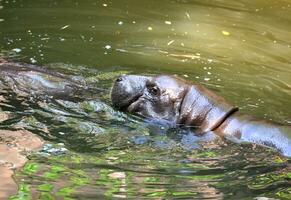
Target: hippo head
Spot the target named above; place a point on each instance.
(172, 99)
(153, 97)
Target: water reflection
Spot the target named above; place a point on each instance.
(97, 152)
(239, 49)
(214, 43)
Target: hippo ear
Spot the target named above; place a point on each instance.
(203, 109)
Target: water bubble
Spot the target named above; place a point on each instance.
(32, 60)
(120, 23)
(17, 50)
(168, 22)
(150, 28)
(188, 15)
(171, 42)
(107, 47)
(64, 27)
(226, 33)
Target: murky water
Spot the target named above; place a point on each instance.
(240, 49)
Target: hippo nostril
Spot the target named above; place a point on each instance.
(119, 79)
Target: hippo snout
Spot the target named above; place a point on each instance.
(126, 89)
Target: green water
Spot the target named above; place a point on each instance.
(240, 49)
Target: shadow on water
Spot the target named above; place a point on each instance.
(239, 49)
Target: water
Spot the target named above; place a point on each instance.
(239, 49)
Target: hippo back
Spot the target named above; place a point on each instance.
(29, 80)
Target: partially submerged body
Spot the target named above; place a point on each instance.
(245, 128)
(30, 80)
(182, 103)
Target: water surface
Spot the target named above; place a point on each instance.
(240, 49)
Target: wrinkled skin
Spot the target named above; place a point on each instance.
(172, 99)
(179, 102)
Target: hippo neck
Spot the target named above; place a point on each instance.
(203, 109)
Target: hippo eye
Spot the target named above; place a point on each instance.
(154, 90)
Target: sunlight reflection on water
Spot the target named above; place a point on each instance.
(239, 49)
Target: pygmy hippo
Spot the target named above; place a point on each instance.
(177, 101)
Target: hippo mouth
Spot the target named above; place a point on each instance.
(131, 102)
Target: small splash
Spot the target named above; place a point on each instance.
(62, 39)
(17, 50)
(107, 47)
(53, 149)
(32, 60)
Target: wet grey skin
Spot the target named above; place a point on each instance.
(127, 89)
(172, 99)
(30, 80)
(180, 102)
